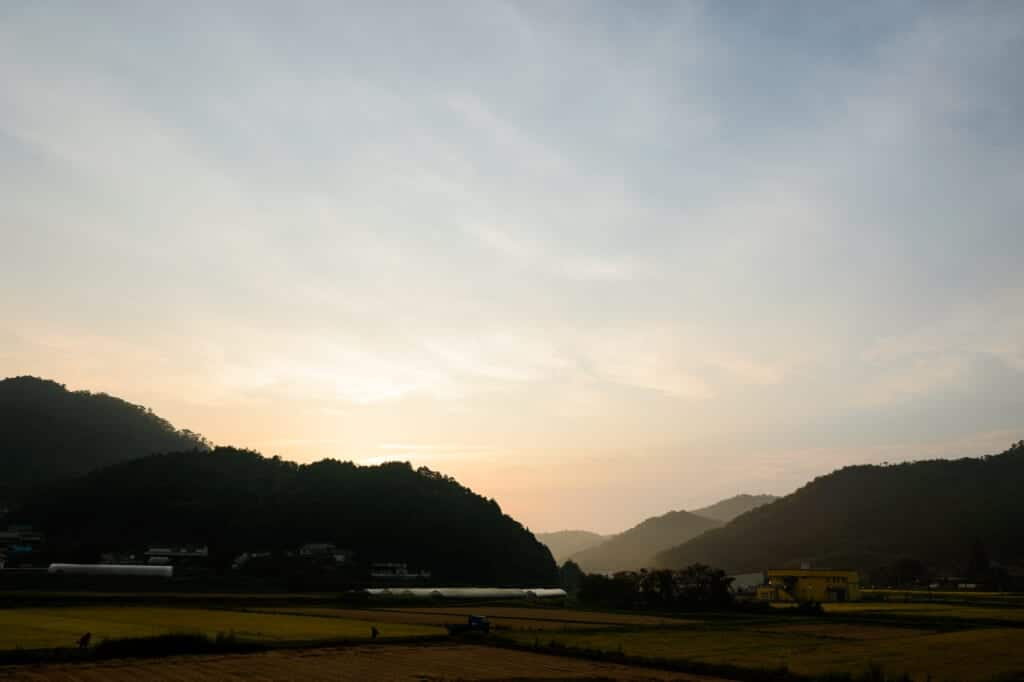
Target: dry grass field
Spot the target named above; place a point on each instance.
(1012, 614)
(557, 614)
(820, 648)
(37, 628)
(74, 595)
(356, 664)
(943, 641)
(964, 596)
(501, 617)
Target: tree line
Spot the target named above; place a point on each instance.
(691, 588)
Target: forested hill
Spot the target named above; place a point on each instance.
(48, 432)
(869, 516)
(727, 510)
(238, 501)
(636, 547)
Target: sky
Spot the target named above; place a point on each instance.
(596, 260)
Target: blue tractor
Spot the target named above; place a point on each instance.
(472, 624)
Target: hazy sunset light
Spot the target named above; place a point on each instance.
(594, 260)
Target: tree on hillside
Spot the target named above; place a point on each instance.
(570, 577)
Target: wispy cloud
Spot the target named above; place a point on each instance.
(541, 229)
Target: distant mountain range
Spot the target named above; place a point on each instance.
(727, 510)
(80, 466)
(938, 512)
(48, 432)
(636, 547)
(564, 543)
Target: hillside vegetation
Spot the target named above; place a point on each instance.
(237, 501)
(938, 512)
(48, 432)
(727, 510)
(564, 543)
(636, 547)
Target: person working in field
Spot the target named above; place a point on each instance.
(83, 641)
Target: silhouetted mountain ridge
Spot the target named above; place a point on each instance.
(48, 432)
(237, 501)
(868, 515)
(636, 547)
(728, 509)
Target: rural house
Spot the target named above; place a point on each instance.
(810, 585)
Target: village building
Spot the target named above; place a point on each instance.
(810, 585)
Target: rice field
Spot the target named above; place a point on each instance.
(554, 614)
(966, 596)
(391, 663)
(501, 617)
(820, 648)
(1010, 614)
(943, 641)
(39, 628)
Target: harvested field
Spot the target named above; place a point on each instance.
(965, 596)
(501, 617)
(436, 618)
(155, 596)
(386, 663)
(37, 628)
(841, 630)
(559, 615)
(827, 648)
(1009, 613)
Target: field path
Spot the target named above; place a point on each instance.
(359, 663)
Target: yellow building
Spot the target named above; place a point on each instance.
(810, 585)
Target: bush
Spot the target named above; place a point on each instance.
(161, 645)
(173, 644)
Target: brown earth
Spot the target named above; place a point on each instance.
(359, 663)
